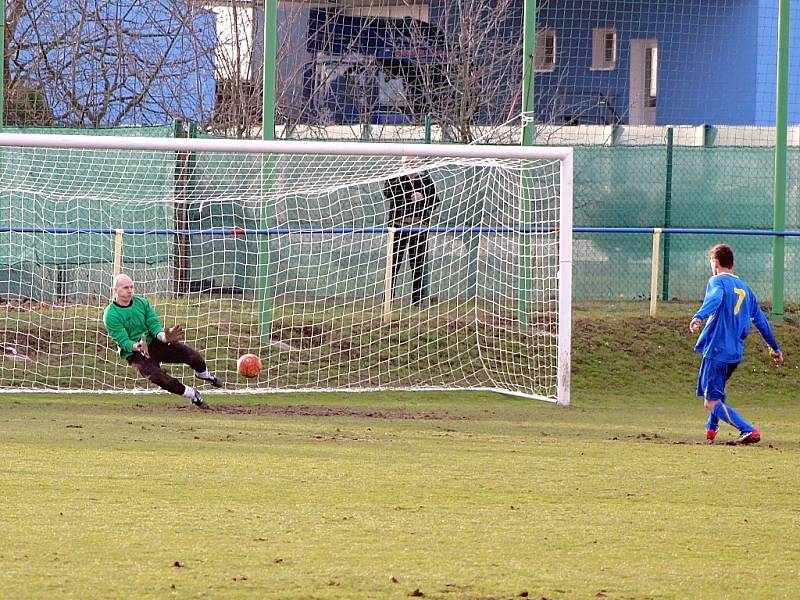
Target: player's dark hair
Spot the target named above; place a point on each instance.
(724, 254)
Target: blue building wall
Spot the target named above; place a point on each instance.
(718, 59)
(767, 61)
(709, 75)
(708, 53)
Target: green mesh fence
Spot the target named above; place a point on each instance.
(607, 77)
(45, 263)
(615, 186)
(711, 188)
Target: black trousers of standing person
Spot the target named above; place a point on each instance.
(416, 244)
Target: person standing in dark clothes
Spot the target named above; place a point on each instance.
(411, 199)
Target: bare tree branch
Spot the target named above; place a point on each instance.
(95, 63)
(104, 63)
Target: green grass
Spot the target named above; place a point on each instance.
(344, 345)
(457, 495)
(128, 497)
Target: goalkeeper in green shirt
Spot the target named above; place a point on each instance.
(145, 344)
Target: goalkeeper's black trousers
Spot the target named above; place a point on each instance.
(174, 353)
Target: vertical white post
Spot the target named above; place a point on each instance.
(565, 283)
(388, 283)
(118, 251)
(654, 271)
(117, 265)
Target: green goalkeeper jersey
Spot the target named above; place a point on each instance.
(126, 324)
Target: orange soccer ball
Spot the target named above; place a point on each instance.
(248, 365)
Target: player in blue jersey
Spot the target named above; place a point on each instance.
(729, 306)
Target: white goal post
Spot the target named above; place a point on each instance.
(345, 266)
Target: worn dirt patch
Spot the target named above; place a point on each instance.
(330, 411)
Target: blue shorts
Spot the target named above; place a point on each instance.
(712, 378)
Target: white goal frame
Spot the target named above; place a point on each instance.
(563, 155)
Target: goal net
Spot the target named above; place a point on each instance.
(344, 266)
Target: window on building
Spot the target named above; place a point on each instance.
(545, 53)
(604, 48)
(651, 76)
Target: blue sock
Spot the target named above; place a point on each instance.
(729, 415)
(713, 422)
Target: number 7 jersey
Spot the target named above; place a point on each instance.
(729, 306)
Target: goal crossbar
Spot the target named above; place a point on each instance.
(86, 142)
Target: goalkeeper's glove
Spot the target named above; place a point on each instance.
(141, 346)
(171, 334)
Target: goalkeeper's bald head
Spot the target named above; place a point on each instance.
(121, 279)
(122, 288)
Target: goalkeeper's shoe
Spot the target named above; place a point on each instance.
(711, 434)
(749, 437)
(198, 401)
(213, 380)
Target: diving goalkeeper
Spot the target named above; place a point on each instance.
(145, 344)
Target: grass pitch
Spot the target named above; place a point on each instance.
(433, 495)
